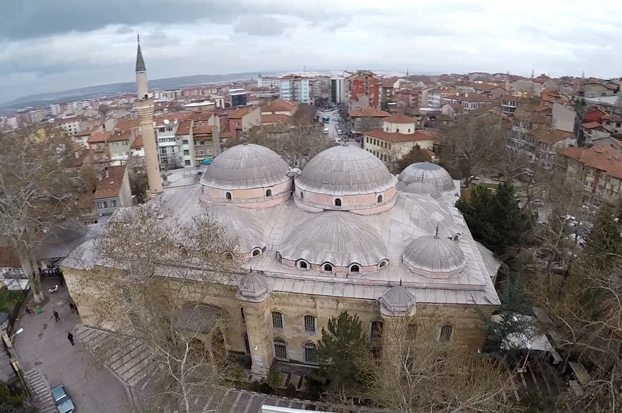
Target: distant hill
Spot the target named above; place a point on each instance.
(45, 99)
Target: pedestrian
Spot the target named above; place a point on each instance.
(72, 307)
(70, 338)
(29, 311)
(56, 317)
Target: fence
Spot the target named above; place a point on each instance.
(17, 310)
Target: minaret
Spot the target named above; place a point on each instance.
(508, 86)
(144, 106)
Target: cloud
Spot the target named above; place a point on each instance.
(260, 26)
(64, 44)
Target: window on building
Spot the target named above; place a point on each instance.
(228, 195)
(280, 349)
(186, 152)
(277, 319)
(114, 203)
(446, 331)
(408, 130)
(162, 130)
(310, 353)
(187, 162)
(256, 252)
(269, 192)
(303, 264)
(355, 268)
(328, 267)
(376, 330)
(302, 195)
(309, 324)
(185, 142)
(382, 264)
(125, 143)
(338, 202)
(379, 198)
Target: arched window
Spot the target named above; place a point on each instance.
(446, 331)
(228, 195)
(382, 264)
(302, 195)
(303, 264)
(338, 202)
(379, 198)
(310, 324)
(229, 255)
(376, 330)
(328, 267)
(280, 349)
(310, 350)
(256, 252)
(269, 192)
(277, 319)
(354, 268)
(279, 257)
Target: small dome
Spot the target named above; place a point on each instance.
(338, 238)
(238, 224)
(397, 301)
(246, 166)
(422, 188)
(434, 257)
(252, 287)
(429, 173)
(345, 170)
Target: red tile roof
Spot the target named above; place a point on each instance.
(111, 186)
(278, 118)
(602, 157)
(138, 142)
(120, 136)
(591, 125)
(9, 258)
(399, 119)
(126, 124)
(84, 133)
(388, 83)
(184, 127)
(400, 137)
(99, 137)
(368, 113)
(238, 113)
(279, 105)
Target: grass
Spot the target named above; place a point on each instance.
(8, 299)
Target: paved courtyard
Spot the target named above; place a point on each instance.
(43, 345)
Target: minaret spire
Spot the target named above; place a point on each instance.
(140, 62)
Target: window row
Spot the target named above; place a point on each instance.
(229, 196)
(310, 326)
(328, 267)
(309, 351)
(337, 201)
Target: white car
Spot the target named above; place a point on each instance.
(339, 132)
(326, 131)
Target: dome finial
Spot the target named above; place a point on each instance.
(436, 233)
(400, 282)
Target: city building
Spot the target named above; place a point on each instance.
(269, 82)
(71, 124)
(337, 90)
(366, 119)
(280, 107)
(296, 88)
(598, 169)
(113, 190)
(396, 138)
(363, 89)
(243, 119)
(237, 97)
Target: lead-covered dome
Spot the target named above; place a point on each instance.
(240, 226)
(434, 257)
(429, 173)
(345, 178)
(421, 188)
(246, 166)
(337, 239)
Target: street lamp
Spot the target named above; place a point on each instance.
(20, 331)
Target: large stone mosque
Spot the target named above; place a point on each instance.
(342, 234)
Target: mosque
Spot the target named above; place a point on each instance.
(341, 234)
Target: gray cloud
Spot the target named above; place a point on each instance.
(124, 30)
(260, 26)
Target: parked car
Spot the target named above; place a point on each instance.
(326, 130)
(64, 404)
(339, 132)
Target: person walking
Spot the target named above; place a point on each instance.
(29, 311)
(56, 317)
(72, 307)
(70, 338)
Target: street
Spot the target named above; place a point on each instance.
(333, 126)
(43, 344)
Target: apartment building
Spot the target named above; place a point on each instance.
(363, 89)
(296, 88)
(113, 190)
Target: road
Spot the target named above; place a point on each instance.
(43, 345)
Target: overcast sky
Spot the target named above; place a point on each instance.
(52, 45)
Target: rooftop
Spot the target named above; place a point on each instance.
(397, 137)
(110, 186)
(399, 119)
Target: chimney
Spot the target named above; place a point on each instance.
(107, 172)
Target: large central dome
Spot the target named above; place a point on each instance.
(246, 166)
(345, 170)
(345, 178)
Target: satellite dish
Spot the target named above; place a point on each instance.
(166, 121)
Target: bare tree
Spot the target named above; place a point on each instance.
(37, 192)
(103, 110)
(154, 282)
(137, 174)
(418, 373)
(472, 145)
(297, 140)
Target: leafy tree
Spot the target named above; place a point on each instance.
(415, 155)
(342, 352)
(495, 218)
